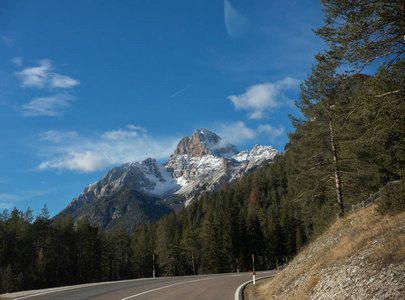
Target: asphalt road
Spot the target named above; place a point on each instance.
(221, 286)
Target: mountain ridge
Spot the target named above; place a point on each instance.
(203, 162)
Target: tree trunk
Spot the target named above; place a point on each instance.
(402, 14)
(340, 213)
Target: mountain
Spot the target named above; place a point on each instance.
(140, 192)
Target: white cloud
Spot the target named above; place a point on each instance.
(62, 81)
(44, 77)
(78, 161)
(35, 76)
(41, 77)
(236, 24)
(119, 134)
(236, 132)
(262, 98)
(73, 152)
(47, 106)
(123, 134)
(272, 132)
(133, 127)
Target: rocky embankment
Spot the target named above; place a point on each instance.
(360, 257)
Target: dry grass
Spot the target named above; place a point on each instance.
(393, 250)
(312, 282)
(251, 292)
(380, 239)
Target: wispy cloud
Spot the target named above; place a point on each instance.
(8, 201)
(36, 77)
(236, 24)
(62, 81)
(6, 205)
(262, 98)
(52, 106)
(18, 61)
(70, 151)
(43, 76)
(124, 134)
(57, 136)
(236, 132)
(272, 132)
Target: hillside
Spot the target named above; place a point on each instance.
(359, 257)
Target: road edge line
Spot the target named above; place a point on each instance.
(239, 290)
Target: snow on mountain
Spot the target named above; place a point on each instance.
(164, 184)
(147, 177)
(207, 160)
(202, 161)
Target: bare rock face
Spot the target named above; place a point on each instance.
(207, 160)
(204, 161)
(182, 147)
(204, 142)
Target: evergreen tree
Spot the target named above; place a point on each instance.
(88, 245)
(60, 253)
(40, 232)
(363, 33)
(359, 33)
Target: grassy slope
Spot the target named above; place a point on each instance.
(360, 257)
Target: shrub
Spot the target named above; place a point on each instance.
(393, 200)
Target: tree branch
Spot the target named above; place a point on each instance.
(390, 93)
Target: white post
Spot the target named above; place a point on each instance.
(254, 274)
(153, 265)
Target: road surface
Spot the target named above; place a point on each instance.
(219, 286)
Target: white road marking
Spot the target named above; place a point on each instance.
(165, 287)
(240, 287)
(247, 282)
(65, 288)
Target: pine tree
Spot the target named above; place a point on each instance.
(61, 253)
(88, 245)
(359, 33)
(363, 33)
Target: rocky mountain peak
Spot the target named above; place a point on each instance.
(204, 161)
(204, 142)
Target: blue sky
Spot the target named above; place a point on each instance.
(86, 85)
